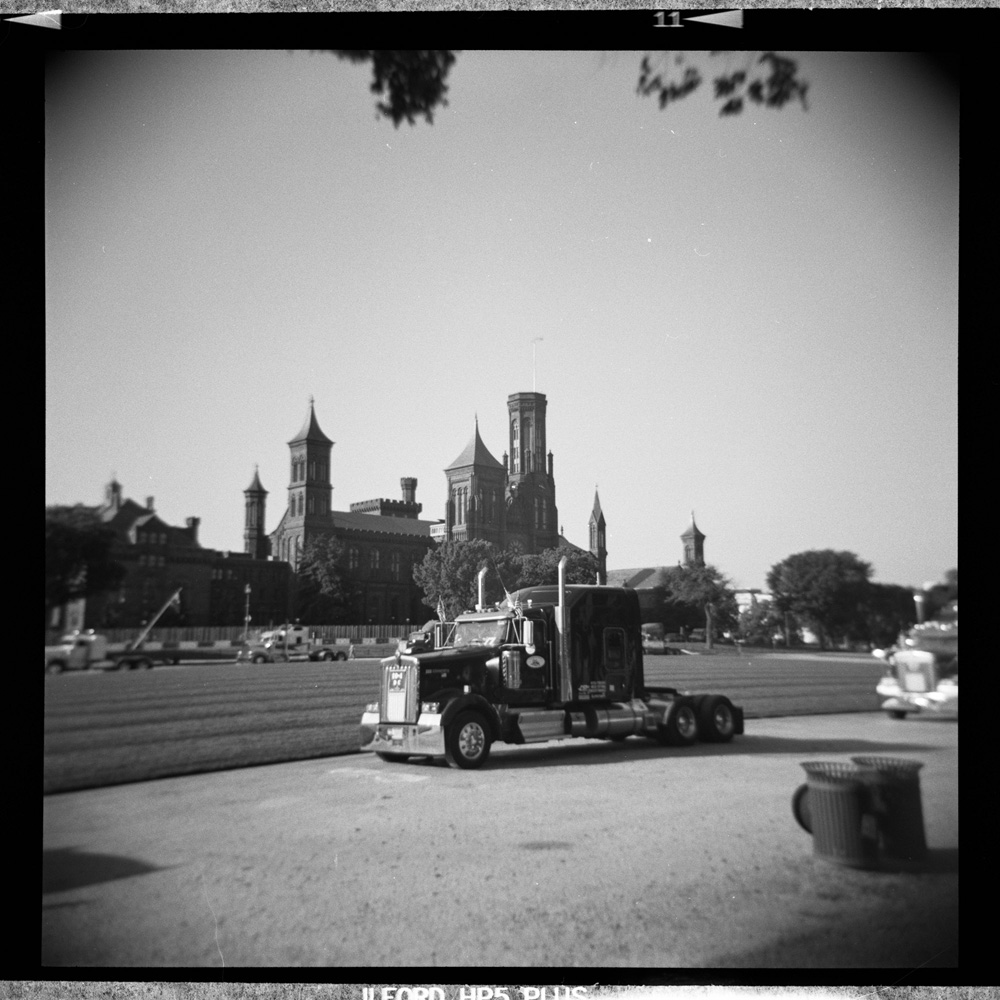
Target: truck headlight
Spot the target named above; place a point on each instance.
(430, 707)
(372, 706)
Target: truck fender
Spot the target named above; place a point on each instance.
(459, 702)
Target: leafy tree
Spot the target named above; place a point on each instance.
(941, 594)
(448, 575)
(708, 590)
(758, 624)
(324, 596)
(888, 610)
(414, 81)
(543, 568)
(825, 590)
(78, 555)
(769, 81)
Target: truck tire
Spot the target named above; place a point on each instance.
(54, 668)
(395, 757)
(897, 713)
(681, 729)
(340, 656)
(258, 658)
(716, 721)
(143, 663)
(467, 741)
(325, 655)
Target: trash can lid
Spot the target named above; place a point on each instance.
(833, 771)
(890, 765)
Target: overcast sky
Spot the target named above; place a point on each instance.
(751, 317)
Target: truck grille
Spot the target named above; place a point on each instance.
(400, 690)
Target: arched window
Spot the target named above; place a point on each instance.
(515, 448)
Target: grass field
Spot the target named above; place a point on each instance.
(110, 728)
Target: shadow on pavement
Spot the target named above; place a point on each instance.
(67, 868)
(605, 752)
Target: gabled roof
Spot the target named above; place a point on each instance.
(475, 453)
(643, 578)
(310, 430)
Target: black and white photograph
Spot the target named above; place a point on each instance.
(501, 501)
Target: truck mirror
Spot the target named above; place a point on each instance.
(529, 633)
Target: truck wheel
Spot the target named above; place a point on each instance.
(897, 713)
(259, 659)
(682, 728)
(467, 741)
(716, 723)
(396, 757)
(326, 655)
(54, 668)
(143, 664)
(340, 656)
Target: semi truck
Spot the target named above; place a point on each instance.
(921, 674)
(292, 642)
(549, 663)
(87, 650)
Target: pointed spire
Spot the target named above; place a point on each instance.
(310, 429)
(475, 453)
(597, 514)
(255, 484)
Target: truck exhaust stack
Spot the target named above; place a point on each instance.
(565, 674)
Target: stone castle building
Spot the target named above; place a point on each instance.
(509, 503)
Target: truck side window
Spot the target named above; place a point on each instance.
(614, 649)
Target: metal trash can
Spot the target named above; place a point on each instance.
(836, 807)
(896, 787)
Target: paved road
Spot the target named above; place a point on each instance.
(581, 854)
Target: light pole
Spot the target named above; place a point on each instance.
(246, 615)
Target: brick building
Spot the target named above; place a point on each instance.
(159, 558)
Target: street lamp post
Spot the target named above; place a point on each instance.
(246, 615)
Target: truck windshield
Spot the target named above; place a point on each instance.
(481, 633)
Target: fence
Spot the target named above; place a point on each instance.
(208, 633)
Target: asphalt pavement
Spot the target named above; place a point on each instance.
(584, 853)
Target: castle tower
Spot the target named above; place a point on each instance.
(309, 490)
(254, 539)
(533, 518)
(597, 540)
(694, 545)
(475, 506)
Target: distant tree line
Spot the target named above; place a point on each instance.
(829, 593)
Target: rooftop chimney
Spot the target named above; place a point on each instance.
(409, 485)
(149, 503)
(192, 523)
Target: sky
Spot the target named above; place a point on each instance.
(753, 318)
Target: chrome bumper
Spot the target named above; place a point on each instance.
(426, 736)
(943, 699)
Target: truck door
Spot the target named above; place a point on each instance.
(527, 677)
(616, 669)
